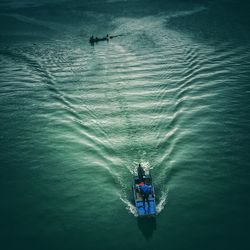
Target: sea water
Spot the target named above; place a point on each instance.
(171, 92)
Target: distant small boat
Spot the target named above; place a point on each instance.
(143, 210)
(93, 40)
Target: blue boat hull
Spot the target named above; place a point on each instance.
(143, 209)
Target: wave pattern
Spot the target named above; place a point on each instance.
(144, 97)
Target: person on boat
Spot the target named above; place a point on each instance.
(140, 172)
(91, 39)
(146, 190)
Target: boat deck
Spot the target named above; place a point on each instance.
(144, 209)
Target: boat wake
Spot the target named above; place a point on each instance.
(129, 206)
(162, 202)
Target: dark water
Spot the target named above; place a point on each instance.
(173, 93)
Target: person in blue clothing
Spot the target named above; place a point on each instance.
(146, 190)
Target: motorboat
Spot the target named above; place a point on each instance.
(142, 207)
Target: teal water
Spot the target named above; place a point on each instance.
(172, 93)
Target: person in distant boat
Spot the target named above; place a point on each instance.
(140, 172)
(146, 190)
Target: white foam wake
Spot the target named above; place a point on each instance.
(162, 202)
(129, 206)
